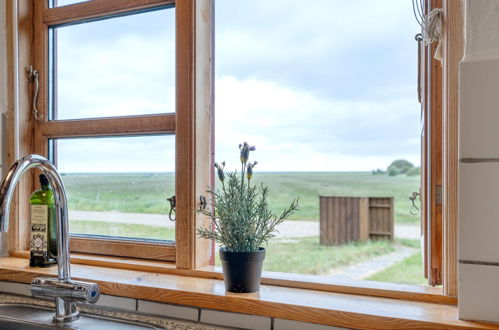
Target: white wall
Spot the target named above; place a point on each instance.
(479, 164)
(481, 30)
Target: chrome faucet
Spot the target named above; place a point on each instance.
(65, 291)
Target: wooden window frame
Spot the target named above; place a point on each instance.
(439, 89)
(194, 129)
(190, 122)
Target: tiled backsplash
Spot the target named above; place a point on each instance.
(478, 248)
(193, 314)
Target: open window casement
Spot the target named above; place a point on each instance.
(430, 89)
(187, 120)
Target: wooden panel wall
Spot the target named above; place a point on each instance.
(381, 217)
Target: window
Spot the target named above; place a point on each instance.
(116, 109)
(290, 84)
(191, 124)
(311, 91)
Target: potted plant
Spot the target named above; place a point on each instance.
(242, 223)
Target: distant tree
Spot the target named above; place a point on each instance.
(393, 171)
(399, 166)
(377, 171)
(414, 171)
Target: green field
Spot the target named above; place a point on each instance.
(147, 192)
(122, 230)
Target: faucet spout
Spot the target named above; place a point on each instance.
(65, 309)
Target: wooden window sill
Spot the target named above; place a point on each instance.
(300, 281)
(329, 308)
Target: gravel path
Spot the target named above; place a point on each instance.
(367, 268)
(288, 229)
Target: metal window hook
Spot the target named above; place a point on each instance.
(33, 78)
(202, 202)
(414, 210)
(173, 204)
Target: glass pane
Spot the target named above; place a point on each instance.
(114, 67)
(327, 103)
(119, 186)
(60, 3)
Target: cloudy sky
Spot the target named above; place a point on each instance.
(324, 85)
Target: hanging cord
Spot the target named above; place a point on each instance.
(431, 25)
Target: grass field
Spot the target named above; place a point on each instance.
(122, 230)
(147, 192)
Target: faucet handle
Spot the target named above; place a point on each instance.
(74, 291)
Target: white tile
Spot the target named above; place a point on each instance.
(15, 288)
(280, 324)
(478, 109)
(108, 301)
(175, 311)
(236, 320)
(479, 212)
(478, 292)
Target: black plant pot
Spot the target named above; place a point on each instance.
(242, 270)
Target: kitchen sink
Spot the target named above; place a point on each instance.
(29, 317)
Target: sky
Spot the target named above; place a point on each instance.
(326, 86)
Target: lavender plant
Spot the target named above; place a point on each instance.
(242, 220)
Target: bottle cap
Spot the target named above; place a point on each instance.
(43, 180)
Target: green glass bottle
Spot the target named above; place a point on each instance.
(43, 245)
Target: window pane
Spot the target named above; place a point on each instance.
(114, 67)
(119, 186)
(60, 3)
(327, 102)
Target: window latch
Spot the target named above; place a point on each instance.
(173, 204)
(202, 202)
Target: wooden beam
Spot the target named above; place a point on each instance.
(95, 9)
(129, 248)
(436, 161)
(205, 121)
(133, 125)
(185, 161)
(453, 48)
(195, 124)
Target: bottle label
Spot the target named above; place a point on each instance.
(39, 228)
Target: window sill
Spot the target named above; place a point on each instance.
(305, 305)
(299, 281)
